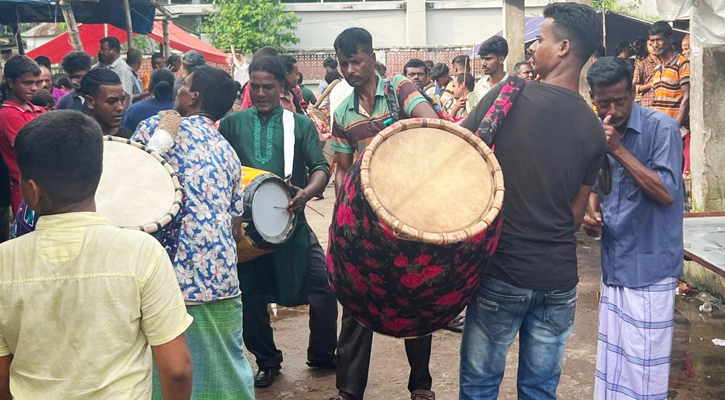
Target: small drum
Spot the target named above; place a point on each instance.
(415, 225)
(266, 221)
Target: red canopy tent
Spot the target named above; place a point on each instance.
(91, 34)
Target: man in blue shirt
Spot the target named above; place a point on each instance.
(640, 221)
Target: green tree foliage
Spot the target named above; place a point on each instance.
(632, 9)
(250, 24)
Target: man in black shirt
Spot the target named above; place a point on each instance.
(550, 147)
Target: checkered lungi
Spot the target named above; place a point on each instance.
(635, 341)
(221, 370)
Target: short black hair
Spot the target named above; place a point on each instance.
(63, 152)
(381, 68)
(94, 79)
(331, 76)
(608, 71)
(468, 78)
(112, 42)
(520, 64)
(660, 28)
(579, 24)
(439, 70)
(17, 66)
(430, 64)
(61, 80)
(287, 62)
(464, 60)
(270, 65)
(600, 52)
(352, 40)
(173, 59)
(330, 63)
(156, 56)
(134, 56)
(216, 88)
(622, 46)
(75, 62)
(43, 60)
(161, 84)
(266, 51)
(495, 45)
(43, 98)
(639, 47)
(415, 63)
(300, 77)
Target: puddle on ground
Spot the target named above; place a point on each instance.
(698, 365)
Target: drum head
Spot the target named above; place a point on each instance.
(432, 180)
(269, 211)
(135, 188)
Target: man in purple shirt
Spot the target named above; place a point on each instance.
(640, 221)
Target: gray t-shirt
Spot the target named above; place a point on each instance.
(549, 145)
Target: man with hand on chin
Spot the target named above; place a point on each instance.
(295, 273)
(640, 220)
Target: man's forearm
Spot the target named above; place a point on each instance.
(684, 110)
(645, 178)
(5, 377)
(317, 183)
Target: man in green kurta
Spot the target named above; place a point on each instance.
(295, 273)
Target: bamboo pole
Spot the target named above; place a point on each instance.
(16, 29)
(167, 49)
(129, 25)
(71, 25)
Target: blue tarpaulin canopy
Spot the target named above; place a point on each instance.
(88, 12)
(619, 27)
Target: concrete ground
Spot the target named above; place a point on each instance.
(698, 373)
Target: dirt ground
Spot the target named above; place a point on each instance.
(389, 368)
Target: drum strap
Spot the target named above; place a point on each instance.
(288, 124)
(508, 92)
(392, 98)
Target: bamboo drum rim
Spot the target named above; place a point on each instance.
(155, 226)
(406, 231)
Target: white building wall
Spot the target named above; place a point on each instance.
(453, 22)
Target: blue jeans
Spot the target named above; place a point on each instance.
(542, 318)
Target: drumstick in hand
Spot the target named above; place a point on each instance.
(308, 206)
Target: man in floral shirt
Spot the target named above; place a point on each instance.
(206, 260)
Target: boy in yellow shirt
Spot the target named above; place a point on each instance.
(81, 300)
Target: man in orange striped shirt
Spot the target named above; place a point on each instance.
(671, 81)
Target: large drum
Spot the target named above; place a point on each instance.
(138, 190)
(415, 224)
(266, 221)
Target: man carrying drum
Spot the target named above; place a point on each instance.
(206, 259)
(295, 273)
(550, 147)
(357, 120)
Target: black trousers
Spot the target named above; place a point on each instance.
(4, 223)
(353, 359)
(258, 336)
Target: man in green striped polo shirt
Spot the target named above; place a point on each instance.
(357, 120)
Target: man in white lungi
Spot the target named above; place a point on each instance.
(638, 213)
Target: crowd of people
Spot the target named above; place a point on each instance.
(93, 311)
